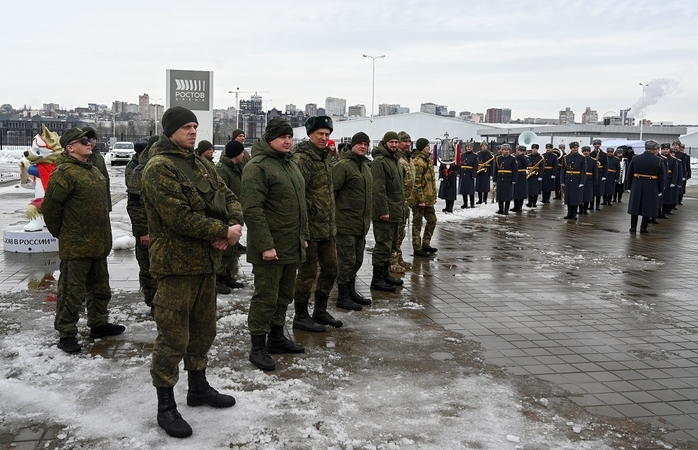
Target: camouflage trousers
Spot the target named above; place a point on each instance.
(402, 230)
(82, 280)
(229, 262)
(148, 284)
(385, 235)
(428, 213)
(185, 314)
(323, 253)
(274, 286)
(350, 256)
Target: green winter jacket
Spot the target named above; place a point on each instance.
(180, 232)
(76, 209)
(316, 167)
(231, 174)
(97, 160)
(134, 186)
(388, 187)
(424, 190)
(353, 190)
(274, 206)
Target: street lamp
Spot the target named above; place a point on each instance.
(643, 107)
(237, 106)
(373, 82)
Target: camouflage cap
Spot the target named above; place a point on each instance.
(402, 136)
(651, 145)
(74, 134)
(596, 141)
(315, 123)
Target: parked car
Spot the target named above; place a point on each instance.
(121, 153)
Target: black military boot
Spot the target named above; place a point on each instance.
(428, 248)
(277, 342)
(633, 224)
(358, 298)
(472, 200)
(221, 287)
(501, 208)
(506, 208)
(378, 283)
(598, 203)
(303, 321)
(479, 198)
(259, 355)
(320, 314)
(169, 418)
(344, 300)
(390, 279)
(620, 196)
(569, 213)
(484, 198)
(643, 224)
(201, 393)
(465, 202)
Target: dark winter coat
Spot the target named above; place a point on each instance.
(573, 173)
(646, 181)
(505, 173)
(591, 180)
(521, 186)
(448, 188)
(353, 191)
(549, 172)
(536, 163)
(469, 165)
(388, 186)
(484, 172)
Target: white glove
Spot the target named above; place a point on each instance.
(540, 179)
(552, 177)
(603, 178)
(672, 185)
(581, 185)
(660, 194)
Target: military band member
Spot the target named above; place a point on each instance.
(520, 184)
(558, 180)
(573, 176)
(448, 189)
(589, 184)
(484, 173)
(468, 175)
(602, 165)
(646, 180)
(505, 172)
(686, 163)
(620, 182)
(670, 187)
(680, 182)
(613, 174)
(550, 172)
(628, 156)
(534, 176)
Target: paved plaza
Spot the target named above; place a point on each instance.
(602, 320)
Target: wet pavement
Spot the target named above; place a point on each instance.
(600, 323)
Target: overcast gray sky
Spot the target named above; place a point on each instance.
(533, 57)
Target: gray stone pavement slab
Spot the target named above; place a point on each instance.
(609, 316)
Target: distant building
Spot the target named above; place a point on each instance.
(357, 111)
(566, 117)
(441, 110)
(403, 109)
(476, 117)
(494, 115)
(251, 106)
(311, 109)
(387, 109)
(335, 106)
(506, 115)
(590, 117)
(321, 112)
(143, 106)
(429, 108)
(291, 109)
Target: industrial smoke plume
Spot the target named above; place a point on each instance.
(655, 90)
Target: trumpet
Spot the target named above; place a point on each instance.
(535, 169)
(484, 167)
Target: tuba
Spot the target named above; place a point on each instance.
(446, 153)
(528, 138)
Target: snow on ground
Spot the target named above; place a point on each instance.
(381, 382)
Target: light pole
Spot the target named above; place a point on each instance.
(373, 82)
(237, 106)
(643, 107)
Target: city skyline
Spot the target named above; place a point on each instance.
(531, 58)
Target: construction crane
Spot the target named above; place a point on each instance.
(237, 93)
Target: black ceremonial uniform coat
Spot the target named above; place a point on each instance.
(646, 181)
(504, 172)
(573, 173)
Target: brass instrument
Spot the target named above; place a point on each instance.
(535, 169)
(485, 166)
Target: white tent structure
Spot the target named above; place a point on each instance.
(638, 146)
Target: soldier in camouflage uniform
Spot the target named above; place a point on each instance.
(313, 159)
(76, 211)
(397, 263)
(423, 199)
(229, 169)
(239, 135)
(273, 199)
(97, 160)
(187, 235)
(388, 209)
(353, 186)
(139, 221)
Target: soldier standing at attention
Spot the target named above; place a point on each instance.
(314, 161)
(97, 159)
(613, 175)
(397, 263)
(520, 184)
(558, 180)
(590, 182)
(448, 188)
(646, 182)
(76, 211)
(484, 173)
(187, 234)
(505, 172)
(230, 171)
(273, 201)
(205, 150)
(602, 169)
(388, 209)
(573, 173)
(139, 220)
(424, 199)
(467, 175)
(672, 180)
(549, 173)
(353, 190)
(534, 177)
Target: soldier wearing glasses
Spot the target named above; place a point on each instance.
(76, 211)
